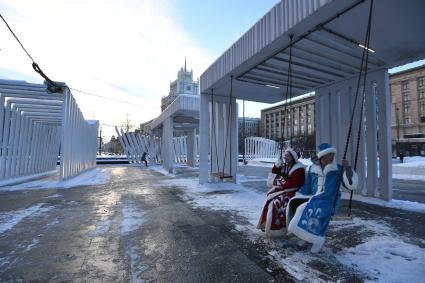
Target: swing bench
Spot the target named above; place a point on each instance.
(362, 72)
(222, 174)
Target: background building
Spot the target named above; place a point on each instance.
(184, 84)
(252, 129)
(145, 128)
(276, 125)
(408, 111)
(113, 146)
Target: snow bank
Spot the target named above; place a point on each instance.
(96, 176)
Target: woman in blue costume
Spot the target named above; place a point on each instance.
(311, 210)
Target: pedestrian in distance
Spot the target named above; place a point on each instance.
(144, 158)
(401, 155)
(311, 210)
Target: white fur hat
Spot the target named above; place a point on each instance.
(324, 149)
(293, 153)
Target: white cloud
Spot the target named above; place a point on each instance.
(129, 50)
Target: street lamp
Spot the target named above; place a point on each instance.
(398, 128)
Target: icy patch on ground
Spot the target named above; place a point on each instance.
(135, 268)
(54, 196)
(34, 243)
(54, 222)
(132, 219)
(102, 227)
(96, 176)
(399, 204)
(9, 219)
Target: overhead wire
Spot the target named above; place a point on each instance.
(113, 99)
(51, 85)
(55, 87)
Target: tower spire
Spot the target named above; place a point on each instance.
(185, 63)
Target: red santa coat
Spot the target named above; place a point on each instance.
(285, 185)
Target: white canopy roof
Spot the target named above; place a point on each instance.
(325, 46)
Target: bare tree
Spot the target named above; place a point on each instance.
(127, 125)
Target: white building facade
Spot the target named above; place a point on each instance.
(184, 84)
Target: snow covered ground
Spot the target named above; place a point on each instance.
(382, 257)
(412, 161)
(94, 176)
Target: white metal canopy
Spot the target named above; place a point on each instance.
(325, 47)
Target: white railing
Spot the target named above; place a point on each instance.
(35, 125)
(256, 147)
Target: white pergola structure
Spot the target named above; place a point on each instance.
(36, 127)
(181, 115)
(326, 58)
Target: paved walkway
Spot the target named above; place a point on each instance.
(133, 230)
(126, 230)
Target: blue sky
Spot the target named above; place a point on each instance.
(218, 24)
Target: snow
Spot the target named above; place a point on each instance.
(132, 219)
(412, 161)
(384, 256)
(94, 176)
(228, 196)
(10, 219)
(160, 169)
(409, 177)
(34, 243)
(28, 178)
(102, 228)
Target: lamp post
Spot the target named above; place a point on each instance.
(243, 134)
(398, 128)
